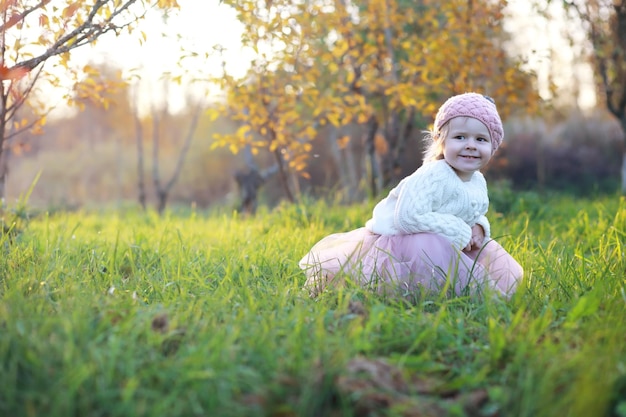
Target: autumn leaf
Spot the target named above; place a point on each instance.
(14, 73)
(344, 66)
(44, 21)
(6, 4)
(70, 10)
(343, 141)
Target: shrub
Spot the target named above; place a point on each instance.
(581, 154)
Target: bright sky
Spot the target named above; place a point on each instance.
(536, 37)
(205, 23)
(201, 24)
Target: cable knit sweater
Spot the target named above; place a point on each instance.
(434, 199)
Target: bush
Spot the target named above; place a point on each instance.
(581, 154)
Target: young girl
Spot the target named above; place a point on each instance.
(430, 233)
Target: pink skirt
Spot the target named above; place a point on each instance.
(409, 264)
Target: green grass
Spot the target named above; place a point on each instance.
(195, 314)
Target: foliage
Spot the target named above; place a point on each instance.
(377, 63)
(604, 24)
(34, 33)
(133, 314)
(109, 176)
(580, 154)
(69, 179)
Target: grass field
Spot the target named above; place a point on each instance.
(196, 314)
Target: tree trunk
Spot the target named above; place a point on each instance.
(161, 201)
(4, 173)
(624, 173)
(119, 162)
(156, 176)
(4, 93)
(623, 124)
(542, 167)
(335, 152)
(400, 145)
(141, 181)
(5, 157)
(371, 155)
(351, 172)
(181, 157)
(284, 178)
(294, 180)
(162, 190)
(392, 133)
(248, 183)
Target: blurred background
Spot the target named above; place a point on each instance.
(243, 103)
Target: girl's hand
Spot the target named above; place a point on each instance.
(477, 239)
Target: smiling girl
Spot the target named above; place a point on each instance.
(430, 233)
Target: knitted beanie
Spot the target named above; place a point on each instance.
(473, 105)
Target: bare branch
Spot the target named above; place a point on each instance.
(21, 96)
(82, 35)
(156, 122)
(18, 103)
(183, 153)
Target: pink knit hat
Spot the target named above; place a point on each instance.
(473, 105)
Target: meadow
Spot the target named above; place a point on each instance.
(124, 313)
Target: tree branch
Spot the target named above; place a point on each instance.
(185, 149)
(82, 35)
(16, 18)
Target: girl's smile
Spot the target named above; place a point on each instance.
(467, 146)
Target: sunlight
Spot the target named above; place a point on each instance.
(200, 26)
(206, 27)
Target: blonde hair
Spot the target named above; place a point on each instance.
(434, 143)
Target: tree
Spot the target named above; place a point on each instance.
(604, 22)
(164, 130)
(381, 64)
(163, 189)
(269, 107)
(34, 32)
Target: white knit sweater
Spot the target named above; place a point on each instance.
(434, 199)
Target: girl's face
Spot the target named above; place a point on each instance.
(467, 146)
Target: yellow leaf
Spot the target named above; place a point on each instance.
(70, 10)
(242, 132)
(333, 119)
(43, 20)
(343, 141)
(362, 118)
(350, 77)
